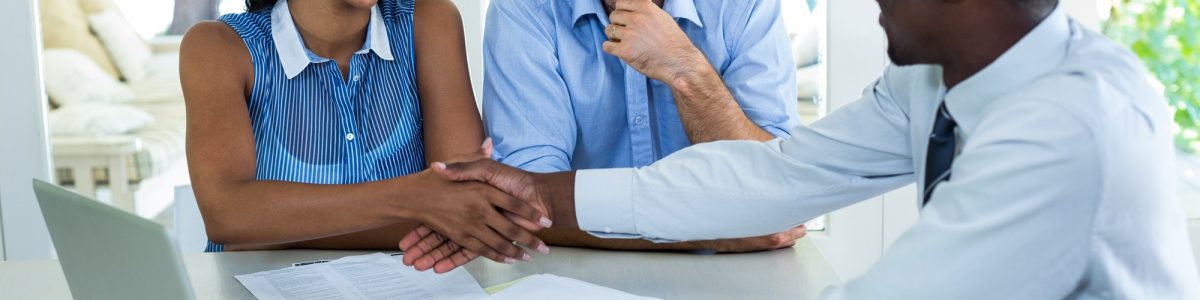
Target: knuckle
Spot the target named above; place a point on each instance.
(512, 231)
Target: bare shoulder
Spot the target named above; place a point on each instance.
(211, 38)
(212, 49)
(437, 16)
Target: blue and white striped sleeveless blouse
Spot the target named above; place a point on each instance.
(313, 126)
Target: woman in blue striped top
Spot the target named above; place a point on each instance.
(310, 123)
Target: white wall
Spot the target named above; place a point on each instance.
(1194, 231)
(854, 52)
(24, 154)
(473, 13)
(855, 55)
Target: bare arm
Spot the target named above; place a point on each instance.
(554, 193)
(576, 238)
(452, 128)
(649, 40)
(708, 110)
(451, 119)
(216, 72)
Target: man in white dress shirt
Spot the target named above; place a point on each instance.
(1044, 157)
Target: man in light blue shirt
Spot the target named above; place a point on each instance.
(556, 100)
(561, 92)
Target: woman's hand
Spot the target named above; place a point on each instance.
(425, 248)
(468, 214)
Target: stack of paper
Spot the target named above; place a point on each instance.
(546, 286)
(373, 276)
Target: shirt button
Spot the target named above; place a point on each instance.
(355, 78)
(637, 120)
(349, 136)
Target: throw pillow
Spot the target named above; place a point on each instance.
(65, 25)
(72, 78)
(131, 54)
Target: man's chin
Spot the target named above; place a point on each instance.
(900, 59)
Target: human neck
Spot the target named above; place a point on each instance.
(981, 41)
(330, 29)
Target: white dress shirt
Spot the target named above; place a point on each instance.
(1063, 186)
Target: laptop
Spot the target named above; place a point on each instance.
(107, 253)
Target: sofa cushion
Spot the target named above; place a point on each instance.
(65, 25)
(162, 81)
(128, 50)
(72, 78)
(97, 119)
(91, 7)
(162, 144)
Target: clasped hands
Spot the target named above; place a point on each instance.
(481, 208)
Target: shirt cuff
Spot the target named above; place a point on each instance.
(779, 133)
(604, 203)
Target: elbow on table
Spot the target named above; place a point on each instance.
(221, 226)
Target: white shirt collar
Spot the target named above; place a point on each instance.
(1039, 52)
(294, 56)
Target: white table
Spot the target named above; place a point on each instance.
(796, 273)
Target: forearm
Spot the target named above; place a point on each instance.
(557, 190)
(253, 213)
(383, 238)
(576, 238)
(708, 110)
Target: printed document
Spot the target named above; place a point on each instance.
(546, 286)
(372, 276)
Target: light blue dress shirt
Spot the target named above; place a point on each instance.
(1063, 186)
(553, 100)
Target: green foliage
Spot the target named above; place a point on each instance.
(1166, 35)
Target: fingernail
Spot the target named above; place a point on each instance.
(546, 222)
(543, 249)
(439, 165)
(526, 257)
(486, 142)
(509, 260)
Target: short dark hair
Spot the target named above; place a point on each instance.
(257, 5)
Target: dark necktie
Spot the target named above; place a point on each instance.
(940, 156)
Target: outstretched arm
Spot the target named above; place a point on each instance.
(728, 189)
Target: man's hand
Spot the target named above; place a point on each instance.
(469, 214)
(425, 248)
(762, 243)
(649, 40)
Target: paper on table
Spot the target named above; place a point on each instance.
(372, 276)
(546, 286)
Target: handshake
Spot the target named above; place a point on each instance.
(477, 208)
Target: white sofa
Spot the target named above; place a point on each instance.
(124, 162)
